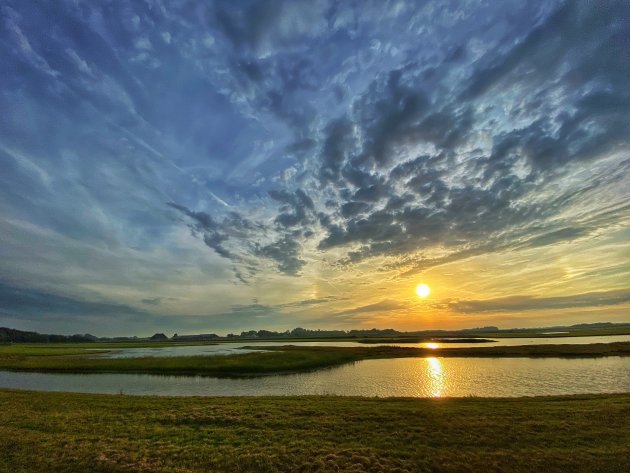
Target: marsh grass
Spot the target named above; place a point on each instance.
(262, 362)
(60, 432)
(270, 359)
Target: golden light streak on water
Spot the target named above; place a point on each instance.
(435, 373)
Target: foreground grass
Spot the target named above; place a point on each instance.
(279, 359)
(60, 432)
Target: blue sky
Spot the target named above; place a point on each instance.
(223, 166)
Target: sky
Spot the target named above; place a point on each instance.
(195, 167)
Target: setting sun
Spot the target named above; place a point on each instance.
(422, 290)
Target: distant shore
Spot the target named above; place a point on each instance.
(8, 335)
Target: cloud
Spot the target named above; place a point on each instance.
(557, 236)
(157, 300)
(240, 233)
(33, 303)
(285, 252)
(382, 306)
(153, 301)
(297, 208)
(213, 236)
(525, 303)
(312, 302)
(295, 137)
(467, 200)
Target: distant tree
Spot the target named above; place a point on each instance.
(267, 334)
(158, 336)
(17, 336)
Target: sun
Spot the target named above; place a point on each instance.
(422, 290)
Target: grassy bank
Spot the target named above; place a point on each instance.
(233, 365)
(591, 350)
(285, 359)
(423, 340)
(59, 432)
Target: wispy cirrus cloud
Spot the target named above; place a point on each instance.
(524, 303)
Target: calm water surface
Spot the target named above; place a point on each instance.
(415, 377)
(231, 348)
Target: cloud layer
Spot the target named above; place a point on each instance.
(179, 159)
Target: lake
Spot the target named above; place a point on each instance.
(414, 377)
(230, 348)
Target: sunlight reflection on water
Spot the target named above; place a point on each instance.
(435, 375)
(414, 377)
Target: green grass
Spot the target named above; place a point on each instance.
(239, 364)
(16, 349)
(74, 433)
(278, 359)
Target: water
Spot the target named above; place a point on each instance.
(415, 377)
(230, 348)
(224, 348)
(521, 341)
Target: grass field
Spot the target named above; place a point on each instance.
(278, 359)
(60, 432)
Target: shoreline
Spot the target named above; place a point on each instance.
(326, 397)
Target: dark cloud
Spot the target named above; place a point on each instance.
(376, 227)
(338, 145)
(37, 304)
(297, 209)
(477, 204)
(285, 252)
(213, 234)
(392, 120)
(524, 303)
(351, 209)
(562, 235)
(234, 237)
